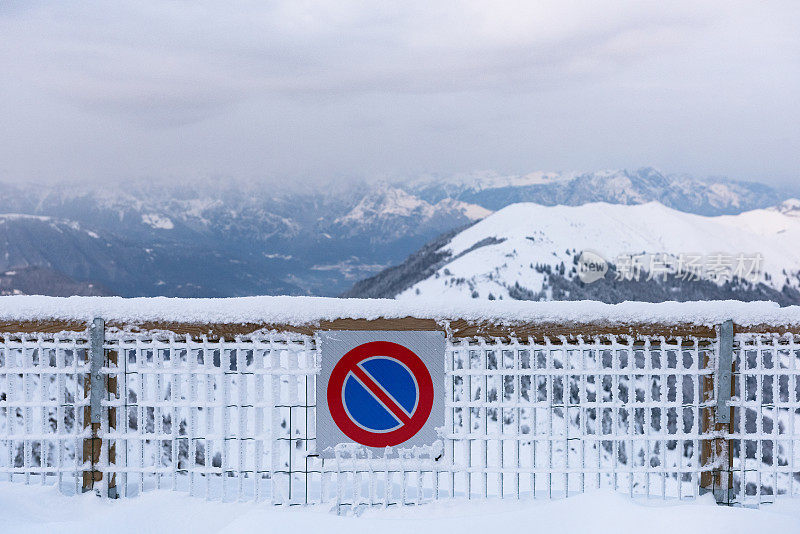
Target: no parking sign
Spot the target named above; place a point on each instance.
(380, 389)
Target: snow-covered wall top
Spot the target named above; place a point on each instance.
(308, 310)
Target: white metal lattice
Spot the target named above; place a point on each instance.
(557, 417)
(765, 441)
(235, 419)
(42, 400)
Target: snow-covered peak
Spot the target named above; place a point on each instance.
(496, 181)
(155, 220)
(472, 212)
(393, 203)
(502, 250)
(789, 207)
(486, 180)
(617, 228)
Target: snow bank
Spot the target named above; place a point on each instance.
(298, 311)
(37, 509)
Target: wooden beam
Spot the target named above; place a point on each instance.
(217, 330)
(45, 327)
(766, 329)
(459, 328)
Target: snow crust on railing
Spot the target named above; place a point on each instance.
(296, 311)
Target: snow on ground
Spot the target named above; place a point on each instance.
(310, 310)
(42, 509)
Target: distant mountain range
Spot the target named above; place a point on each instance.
(532, 252)
(684, 193)
(221, 239)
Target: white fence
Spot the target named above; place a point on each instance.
(235, 420)
(764, 440)
(42, 401)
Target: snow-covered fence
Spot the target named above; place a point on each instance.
(542, 400)
(43, 397)
(763, 440)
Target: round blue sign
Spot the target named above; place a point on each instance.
(380, 394)
(362, 397)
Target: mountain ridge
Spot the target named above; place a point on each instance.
(532, 252)
(221, 239)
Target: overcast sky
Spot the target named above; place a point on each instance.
(289, 90)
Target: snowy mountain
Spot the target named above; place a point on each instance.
(215, 240)
(59, 244)
(530, 251)
(393, 213)
(705, 197)
(119, 264)
(233, 239)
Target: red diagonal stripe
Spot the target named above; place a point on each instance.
(376, 390)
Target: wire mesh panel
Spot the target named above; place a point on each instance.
(765, 438)
(217, 418)
(42, 398)
(553, 418)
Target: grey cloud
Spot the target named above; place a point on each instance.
(200, 57)
(375, 87)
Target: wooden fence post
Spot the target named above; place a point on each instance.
(91, 445)
(716, 449)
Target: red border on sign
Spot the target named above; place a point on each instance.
(345, 366)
